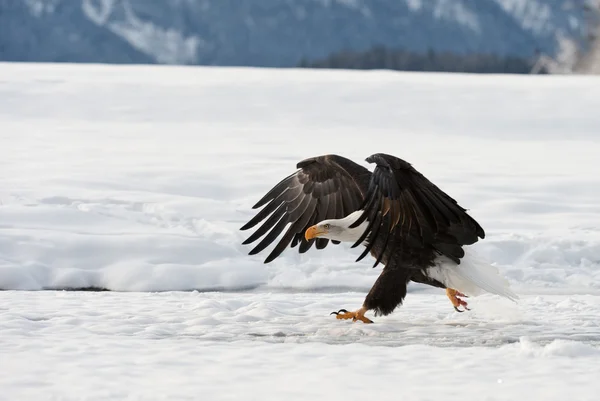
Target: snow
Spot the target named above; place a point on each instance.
(166, 45)
(534, 15)
(455, 11)
(272, 346)
(118, 177)
(136, 179)
(40, 7)
(414, 5)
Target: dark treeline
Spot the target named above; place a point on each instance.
(382, 58)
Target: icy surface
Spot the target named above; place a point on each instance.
(137, 179)
(220, 346)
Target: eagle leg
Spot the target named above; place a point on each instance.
(454, 295)
(356, 315)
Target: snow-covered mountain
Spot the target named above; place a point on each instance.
(274, 32)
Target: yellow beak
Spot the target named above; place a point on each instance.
(313, 232)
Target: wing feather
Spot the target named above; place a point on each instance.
(262, 230)
(277, 190)
(302, 219)
(415, 210)
(323, 187)
(266, 241)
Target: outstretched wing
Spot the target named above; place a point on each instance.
(400, 200)
(324, 187)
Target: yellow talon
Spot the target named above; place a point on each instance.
(454, 295)
(356, 315)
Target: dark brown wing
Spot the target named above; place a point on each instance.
(414, 208)
(324, 187)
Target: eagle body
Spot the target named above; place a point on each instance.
(404, 221)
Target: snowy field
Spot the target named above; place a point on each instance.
(136, 180)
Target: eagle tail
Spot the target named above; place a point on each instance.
(473, 276)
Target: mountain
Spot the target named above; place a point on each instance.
(275, 32)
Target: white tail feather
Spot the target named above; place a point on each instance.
(472, 277)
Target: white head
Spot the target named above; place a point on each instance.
(338, 229)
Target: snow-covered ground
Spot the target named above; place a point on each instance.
(137, 179)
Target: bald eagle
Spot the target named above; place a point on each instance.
(403, 220)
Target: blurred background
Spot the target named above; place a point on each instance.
(485, 36)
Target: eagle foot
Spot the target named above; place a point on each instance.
(454, 295)
(356, 315)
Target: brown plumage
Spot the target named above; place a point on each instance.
(411, 221)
